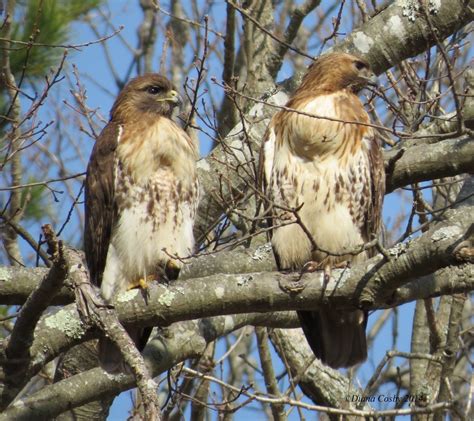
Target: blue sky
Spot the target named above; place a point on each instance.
(91, 64)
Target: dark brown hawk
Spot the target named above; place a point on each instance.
(333, 171)
(141, 196)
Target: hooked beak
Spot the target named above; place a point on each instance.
(175, 98)
(372, 80)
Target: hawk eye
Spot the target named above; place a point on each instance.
(360, 65)
(153, 90)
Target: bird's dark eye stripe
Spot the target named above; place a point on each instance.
(153, 90)
(360, 65)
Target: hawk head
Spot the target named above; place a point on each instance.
(335, 71)
(150, 94)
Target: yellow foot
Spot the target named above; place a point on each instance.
(141, 283)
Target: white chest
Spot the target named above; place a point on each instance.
(332, 199)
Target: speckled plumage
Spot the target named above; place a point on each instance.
(141, 192)
(333, 171)
(156, 197)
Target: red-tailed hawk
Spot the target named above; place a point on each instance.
(333, 173)
(141, 196)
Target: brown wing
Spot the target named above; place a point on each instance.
(100, 207)
(373, 219)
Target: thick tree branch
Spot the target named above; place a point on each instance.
(429, 161)
(296, 19)
(17, 283)
(323, 384)
(177, 343)
(397, 33)
(180, 342)
(94, 312)
(269, 291)
(435, 247)
(17, 352)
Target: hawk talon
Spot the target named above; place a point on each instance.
(141, 283)
(328, 272)
(310, 267)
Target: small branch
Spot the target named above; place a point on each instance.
(200, 74)
(29, 239)
(184, 20)
(147, 36)
(278, 411)
(66, 46)
(435, 335)
(452, 345)
(42, 183)
(449, 68)
(296, 19)
(265, 101)
(388, 356)
(204, 365)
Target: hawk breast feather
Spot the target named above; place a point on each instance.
(332, 168)
(142, 197)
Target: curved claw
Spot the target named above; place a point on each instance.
(141, 283)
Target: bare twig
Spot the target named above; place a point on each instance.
(43, 183)
(200, 75)
(67, 46)
(284, 400)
